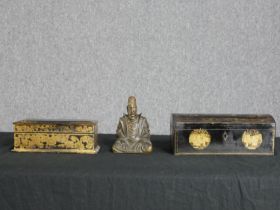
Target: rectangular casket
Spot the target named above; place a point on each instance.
(56, 136)
(222, 134)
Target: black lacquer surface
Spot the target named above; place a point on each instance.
(219, 126)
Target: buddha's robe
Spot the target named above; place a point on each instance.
(133, 135)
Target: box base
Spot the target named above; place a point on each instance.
(225, 154)
(75, 151)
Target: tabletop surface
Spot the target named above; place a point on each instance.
(157, 179)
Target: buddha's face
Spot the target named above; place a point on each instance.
(132, 111)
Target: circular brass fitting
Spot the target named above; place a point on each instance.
(252, 139)
(199, 139)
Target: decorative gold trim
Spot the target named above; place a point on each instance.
(56, 136)
(252, 139)
(54, 127)
(199, 139)
(76, 151)
(65, 133)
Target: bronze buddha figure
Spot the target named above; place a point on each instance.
(133, 134)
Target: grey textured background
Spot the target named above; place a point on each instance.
(81, 59)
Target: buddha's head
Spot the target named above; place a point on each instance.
(132, 107)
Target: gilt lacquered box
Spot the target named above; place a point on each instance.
(56, 136)
(193, 134)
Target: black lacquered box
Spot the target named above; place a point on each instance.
(222, 134)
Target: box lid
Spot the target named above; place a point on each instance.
(55, 122)
(221, 119)
(59, 126)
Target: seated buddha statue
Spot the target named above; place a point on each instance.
(133, 134)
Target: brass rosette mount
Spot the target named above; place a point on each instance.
(252, 139)
(199, 139)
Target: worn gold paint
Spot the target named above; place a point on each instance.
(43, 136)
(199, 139)
(252, 139)
(39, 126)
